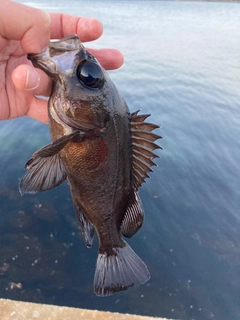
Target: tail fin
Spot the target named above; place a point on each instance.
(118, 271)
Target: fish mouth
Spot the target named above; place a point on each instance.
(58, 56)
(41, 60)
(69, 43)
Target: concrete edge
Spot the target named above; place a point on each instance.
(18, 310)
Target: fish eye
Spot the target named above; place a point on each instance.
(90, 75)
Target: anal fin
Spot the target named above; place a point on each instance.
(134, 215)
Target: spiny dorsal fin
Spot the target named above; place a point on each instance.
(143, 145)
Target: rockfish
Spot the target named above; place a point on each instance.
(105, 153)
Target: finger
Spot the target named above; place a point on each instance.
(29, 25)
(38, 110)
(110, 59)
(32, 80)
(87, 29)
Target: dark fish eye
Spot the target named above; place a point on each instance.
(90, 74)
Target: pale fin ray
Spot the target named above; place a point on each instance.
(139, 178)
(143, 144)
(43, 174)
(145, 151)
(46, 169)
(144, 156)
(133, 217)
(142, 175)
(145, 126)
(54, 147)
(145, 134)
(139, 117)
(146, 143)
(118, 270)
(145, 164)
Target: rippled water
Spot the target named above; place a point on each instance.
(182, 65)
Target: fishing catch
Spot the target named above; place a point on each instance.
(105, 153)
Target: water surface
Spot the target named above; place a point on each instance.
(182, 65)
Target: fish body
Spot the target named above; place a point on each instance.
(103, 151)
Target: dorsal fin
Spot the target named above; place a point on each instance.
(143, 145)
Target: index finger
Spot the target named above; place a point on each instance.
(63, 24)
(34, 27)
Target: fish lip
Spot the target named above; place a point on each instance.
(69, 43)
(42, 61)
(49, 59)
(38, 60)
(35, 58)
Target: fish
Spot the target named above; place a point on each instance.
(103, 151)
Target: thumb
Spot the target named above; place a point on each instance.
(34, 81)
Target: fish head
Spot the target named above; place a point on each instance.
(82, 90)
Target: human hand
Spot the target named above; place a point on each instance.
(28, 30)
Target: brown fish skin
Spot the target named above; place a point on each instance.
(104, 152)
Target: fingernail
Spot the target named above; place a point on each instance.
(32, 79)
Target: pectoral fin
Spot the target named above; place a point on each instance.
(54, 147)
(133, 218)
(45, 169)
(43, 174)
(143, 145)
